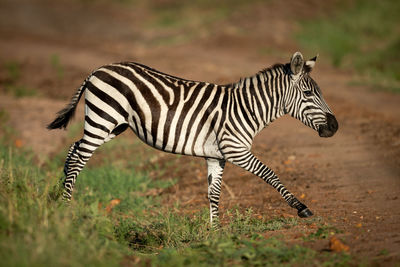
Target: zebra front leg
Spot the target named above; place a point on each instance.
(246, 160)
(215, 168)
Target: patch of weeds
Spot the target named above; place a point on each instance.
(281, 223)
(164, 183)
(144, 238)
(328, 259)
(363, 36)
(157, 230)
(235, 251)
(36, 230)
(180, 21)
(21, 91)
(171, 239)
(4, 117)
(102, 184)
(182, 13)
(323, 232)
(13, 70)
(246, 223)
(7, 134)
(12, 81)
(55, 63)
(383, 252)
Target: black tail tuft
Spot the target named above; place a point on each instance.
(66, 114)
(63, 118)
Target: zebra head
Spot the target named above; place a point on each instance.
(304, 100)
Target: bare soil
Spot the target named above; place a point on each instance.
(351, 180)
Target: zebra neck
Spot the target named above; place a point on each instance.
(259, 99)
(274, 87)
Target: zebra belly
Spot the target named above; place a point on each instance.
(200, 147)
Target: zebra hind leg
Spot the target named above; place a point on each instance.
(215, 169)
(74, 163)
(79, 154)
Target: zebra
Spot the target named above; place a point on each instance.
(216, 122)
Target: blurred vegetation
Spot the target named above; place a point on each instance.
(181, 21)
(363, 35)
(12, 84)
(55, 63)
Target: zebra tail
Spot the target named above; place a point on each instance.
(67, 113)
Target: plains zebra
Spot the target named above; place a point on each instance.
(217, 122)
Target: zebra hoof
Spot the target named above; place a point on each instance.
(305, 213)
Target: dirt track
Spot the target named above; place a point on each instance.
(352, 180)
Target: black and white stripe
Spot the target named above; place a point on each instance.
(217, 122)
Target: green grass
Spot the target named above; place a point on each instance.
(363, 36)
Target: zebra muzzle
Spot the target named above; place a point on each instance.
(330, 128)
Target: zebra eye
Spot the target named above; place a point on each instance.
(308, 93)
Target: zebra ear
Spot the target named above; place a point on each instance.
(311, 63)
(296, 63)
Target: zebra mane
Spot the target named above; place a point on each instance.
(285, 67)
